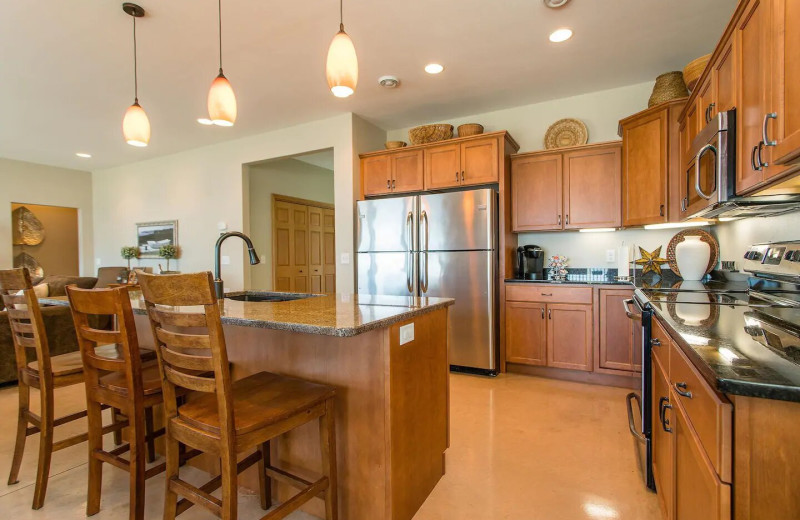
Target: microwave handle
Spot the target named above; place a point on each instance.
(697, 160)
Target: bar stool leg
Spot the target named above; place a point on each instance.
(148, 427)
(114, 420)
(173, 465)
(230, 497)
(22, 434)
(264, 482)
(327, 437)
(95, 420)
(138, 464)
(45, 447)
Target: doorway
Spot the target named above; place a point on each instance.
(45, 239)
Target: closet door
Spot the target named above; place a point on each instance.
(290, 236)
(328, 252)
(315, 250)
(300, 242)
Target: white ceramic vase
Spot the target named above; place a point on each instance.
(692, 257)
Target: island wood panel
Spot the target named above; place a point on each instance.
(592, 192)
(536, 201)
(382, 474)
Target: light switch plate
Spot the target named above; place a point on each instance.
(98, 262)
(226, 260)
(406, 333)
(345, 258)
(611, 255)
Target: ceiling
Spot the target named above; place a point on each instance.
(66, 67)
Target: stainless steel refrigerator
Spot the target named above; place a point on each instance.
(440, 244)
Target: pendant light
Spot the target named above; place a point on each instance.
(221, 99)
(342, 66)
(135, 125)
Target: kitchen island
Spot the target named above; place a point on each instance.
(392, 406)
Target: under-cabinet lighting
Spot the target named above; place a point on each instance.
(84, 155)
(727, 219)
(598, 230)
(673, 225)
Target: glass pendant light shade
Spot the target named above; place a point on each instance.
(342, 65)
(136, 126)
(221, 102)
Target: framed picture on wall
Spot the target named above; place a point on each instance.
(152, 235)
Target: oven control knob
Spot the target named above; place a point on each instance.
(788, 255)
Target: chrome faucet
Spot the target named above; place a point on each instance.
(218, 287)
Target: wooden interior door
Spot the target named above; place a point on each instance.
(786, 80)
(699, 493)
(592, 192)
(300, 278)
(526, 333)
(282, 251)
(569, 336)
(479, 161)
(662, 441)
(752, 52)
(376, 175)
(328, 252)
(315, 250)
(442, 166)
(644, 169)
(536, 201)
(407, 171)
(616, 332)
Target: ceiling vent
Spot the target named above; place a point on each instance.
(554, 4)
(389, 81)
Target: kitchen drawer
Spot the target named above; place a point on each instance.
(709, 413)
(660, 345)
(548, 293)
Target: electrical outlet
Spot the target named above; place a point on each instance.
(611, 255)
(406, 333)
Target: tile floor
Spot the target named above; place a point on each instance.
(522, 448)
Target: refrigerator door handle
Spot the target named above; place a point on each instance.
(410, 238)
(424, 216)
(423, 279)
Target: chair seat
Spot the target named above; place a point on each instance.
(151, 380)
(259, 400)
(71, 363)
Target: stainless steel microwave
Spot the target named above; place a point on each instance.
(708, 184)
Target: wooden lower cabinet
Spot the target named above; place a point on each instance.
(663, 451)
(569, 336)
(526, 333)
(616, 333)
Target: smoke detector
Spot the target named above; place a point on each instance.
(389, 81)
(555, 4)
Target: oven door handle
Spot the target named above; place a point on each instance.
(633, 396)
(697, 161)
(626, 305)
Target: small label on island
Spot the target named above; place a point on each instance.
(406, 333)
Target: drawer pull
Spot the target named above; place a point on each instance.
(655, 342)
(542, 312)
(549, 314)
(547, 294)
(662, 413)
(680, 387)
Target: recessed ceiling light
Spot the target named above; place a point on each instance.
(84, 155)
(433, 68)
(560, 35)
(204, 121)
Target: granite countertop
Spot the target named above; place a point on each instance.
(342, 315)
(570, 282)
(730, 346)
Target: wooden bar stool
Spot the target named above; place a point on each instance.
(228, 417)
(37, 369)
(126, 384)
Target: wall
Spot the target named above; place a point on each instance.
(59, 252)
(205, 186)
(284, 177)
(50, 186)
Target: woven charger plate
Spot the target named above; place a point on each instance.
(566, 132)
(704, 237)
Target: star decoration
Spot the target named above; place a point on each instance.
(651, 262)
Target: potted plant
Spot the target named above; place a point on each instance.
(128, 253)
(167, 252)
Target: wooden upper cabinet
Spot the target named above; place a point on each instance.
(442, 166)
(569, 336)
(536, 193)
(785, 64)
(617, 351)
(645, 167)
(407, 171)
(592, 194)
(479, 161)
(752, 50)
(705, 103)
(526, 333)
(723, 78)
(376, 175)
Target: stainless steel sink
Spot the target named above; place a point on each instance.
(252, 296)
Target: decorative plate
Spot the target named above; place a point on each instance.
(566, 132)
(704, 237)
(25, 260)
(26, 229)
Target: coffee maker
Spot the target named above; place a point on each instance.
(530, 263)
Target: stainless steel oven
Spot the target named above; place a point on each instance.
(640, 420)
(709, 178)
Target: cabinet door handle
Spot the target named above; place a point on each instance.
(567, 220)
(764, 129)
(549, 314)
(547, 294)
(708, 112)
(662, 413)
(462, 175)
(559, 220)
(655, 342)
(388, 184)
(681, 389)
(753, 159)
(661, 210)
(456, 176)
(393, 185)
(542, 312)
(761, 162)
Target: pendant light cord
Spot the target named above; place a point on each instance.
(135, 66)
(341, 15)
(219, 7)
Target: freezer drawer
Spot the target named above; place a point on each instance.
(393, 274)
(386, 224)
(467, 276)
(460, 220)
